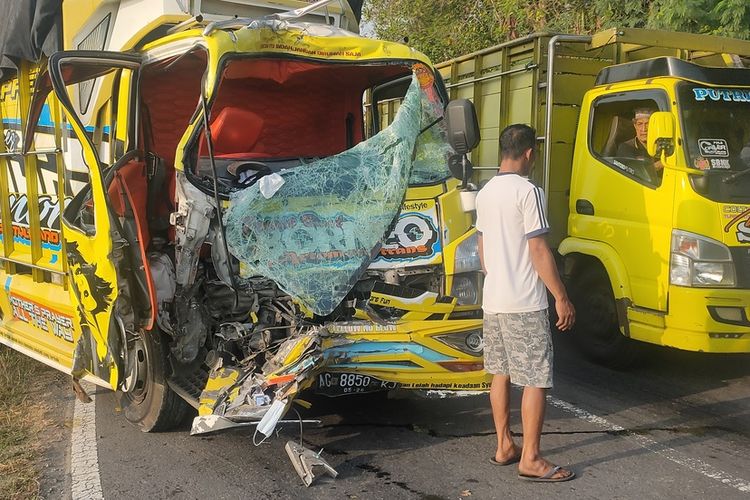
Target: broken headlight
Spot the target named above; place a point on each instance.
(466, 289)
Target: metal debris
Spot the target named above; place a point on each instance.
(214, 423)
(306, 462)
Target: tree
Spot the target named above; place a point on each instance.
(444, 29)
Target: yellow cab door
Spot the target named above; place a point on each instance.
(623, 198)
(82, 80)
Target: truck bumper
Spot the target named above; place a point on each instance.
(700, 319)
(405, 354)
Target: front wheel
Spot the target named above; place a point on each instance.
(148, 401)
(597, 331)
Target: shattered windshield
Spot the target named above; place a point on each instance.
(716, 127)
(314, 229)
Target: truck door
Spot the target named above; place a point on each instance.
(82, 80)
(628, 193)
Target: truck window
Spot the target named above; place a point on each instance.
(617, 133)
(106, 125)
(716, 126)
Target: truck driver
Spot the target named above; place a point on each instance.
(636, 147)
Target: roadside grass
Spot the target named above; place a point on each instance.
(22, 420)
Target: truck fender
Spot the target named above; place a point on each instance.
(609, 259)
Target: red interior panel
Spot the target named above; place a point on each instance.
(233, 130)
(303, 113)
(130, 182)
(171, 96)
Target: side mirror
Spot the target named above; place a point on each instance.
(461, 168)
(463, 127)
(660, 134)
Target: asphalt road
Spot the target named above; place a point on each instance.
(678, 426)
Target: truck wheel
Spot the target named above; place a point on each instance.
(148, 401)
(597, 329)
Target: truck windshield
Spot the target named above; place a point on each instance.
(716, 127)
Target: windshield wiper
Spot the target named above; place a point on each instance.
(730, 179)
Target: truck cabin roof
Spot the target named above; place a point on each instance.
(674, 67)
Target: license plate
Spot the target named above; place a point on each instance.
(338, 384)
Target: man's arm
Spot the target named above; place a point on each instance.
(544, 264)
(480, 244)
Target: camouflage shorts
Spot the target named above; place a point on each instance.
(519, 345)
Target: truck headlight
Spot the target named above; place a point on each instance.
(466, 289)
(470, 342)
(700, 262)
(467, 255)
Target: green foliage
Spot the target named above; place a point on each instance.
(444, 29)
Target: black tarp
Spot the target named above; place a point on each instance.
(28, 30)
(356, 6)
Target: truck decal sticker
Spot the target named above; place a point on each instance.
(720, 164)
(701, 163)
(49, 217)
(12, 140)
(42, 317)
(743, 226)
(415, 238)
(713, 148)
(743, 232)
(415, 235)
(728, 95)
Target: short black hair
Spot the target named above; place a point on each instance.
(515, 140)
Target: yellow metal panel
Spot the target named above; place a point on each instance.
(75, 15)
(39, 316)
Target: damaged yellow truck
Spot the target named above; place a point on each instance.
(655, 246)
(198, 211)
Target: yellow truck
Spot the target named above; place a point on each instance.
(195, 211)
(654, 248)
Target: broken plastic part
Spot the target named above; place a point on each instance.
(214, 423)
(306, 462)
(80, 392)
(268, 423)
(269, 184)
(319, 232)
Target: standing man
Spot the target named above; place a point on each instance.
(518, 264)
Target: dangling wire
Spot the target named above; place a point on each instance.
(217, 199)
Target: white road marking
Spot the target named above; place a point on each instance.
(84, 461)
(670, 454)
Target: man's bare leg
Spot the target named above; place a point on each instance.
(500, 400)
(533, 405)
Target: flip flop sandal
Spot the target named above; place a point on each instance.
(547, 478)
(511, 460)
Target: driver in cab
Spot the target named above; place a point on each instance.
(636, 147)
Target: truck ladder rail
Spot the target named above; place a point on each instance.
(244, 22)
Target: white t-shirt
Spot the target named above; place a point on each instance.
(510, 210)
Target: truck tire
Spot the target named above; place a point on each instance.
(149, 402)
(597, 330)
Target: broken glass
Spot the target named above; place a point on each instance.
(319, 231)
(431, 158)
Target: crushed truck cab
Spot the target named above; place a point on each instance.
(211, 217)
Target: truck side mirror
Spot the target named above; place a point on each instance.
(463, 127)
(463, 135)
(660, 134)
